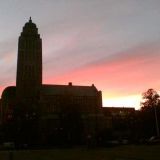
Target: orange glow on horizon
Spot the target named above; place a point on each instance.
(125, 101)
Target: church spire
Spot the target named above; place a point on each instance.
(30, 19)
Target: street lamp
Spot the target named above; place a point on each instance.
(156, 118)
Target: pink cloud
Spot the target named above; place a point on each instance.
(131, 72)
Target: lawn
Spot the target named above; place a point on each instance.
(130, 152)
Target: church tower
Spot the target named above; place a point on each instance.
(29, 63)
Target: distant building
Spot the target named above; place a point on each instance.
(119, 111)
(121, 120)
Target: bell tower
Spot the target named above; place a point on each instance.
(29, 62)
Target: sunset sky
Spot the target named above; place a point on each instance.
(114, 44)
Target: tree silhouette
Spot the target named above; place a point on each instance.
(150, 111)
(151, 99)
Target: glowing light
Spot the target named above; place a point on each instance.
(127, 101)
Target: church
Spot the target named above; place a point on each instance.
(53, 112)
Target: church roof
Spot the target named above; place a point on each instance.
(48, 89)
(69, 90)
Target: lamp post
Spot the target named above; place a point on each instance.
(156, 119)
(156, 102)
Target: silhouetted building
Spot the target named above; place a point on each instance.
(29, 63)
(35, 113)
(58, 112)
(121, 120)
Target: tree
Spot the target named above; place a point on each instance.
(150, 108)
(150, 99)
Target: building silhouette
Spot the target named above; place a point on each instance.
(47, 113)
(40, 114)
(29, 63)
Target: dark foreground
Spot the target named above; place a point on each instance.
(130, 152)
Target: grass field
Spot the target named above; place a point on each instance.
(130, 152)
